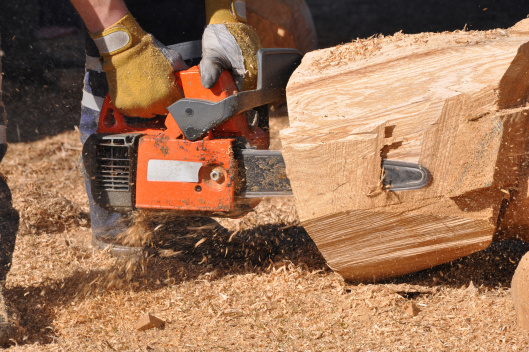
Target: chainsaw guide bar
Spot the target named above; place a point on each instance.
(403, 176)
(264, 174)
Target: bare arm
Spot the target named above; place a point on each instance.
(100, 14)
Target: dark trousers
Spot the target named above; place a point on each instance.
(9, 218)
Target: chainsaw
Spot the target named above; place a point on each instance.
(210, 155)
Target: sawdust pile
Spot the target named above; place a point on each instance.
(30, 172)
(260, 237)
(44, 210)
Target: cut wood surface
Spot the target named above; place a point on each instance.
(453, 102)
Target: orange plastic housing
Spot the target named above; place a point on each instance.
(200, 194)
(178, 174)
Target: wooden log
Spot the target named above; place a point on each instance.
(515, 220)
(520, 293)
(452, 102)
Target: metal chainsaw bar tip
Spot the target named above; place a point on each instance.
(263, 174)
(404, 176)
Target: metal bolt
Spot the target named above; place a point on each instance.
(214, 175)
(189, 112)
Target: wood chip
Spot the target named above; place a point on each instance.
(149, 321)
(412, 310)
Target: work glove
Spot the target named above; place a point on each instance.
(139, 69)
(228, 43)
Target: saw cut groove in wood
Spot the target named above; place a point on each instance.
(453, 102)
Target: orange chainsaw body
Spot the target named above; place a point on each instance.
(173, 173)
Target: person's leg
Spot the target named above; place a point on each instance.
(10, 329)
(9, 220)
(105, 225)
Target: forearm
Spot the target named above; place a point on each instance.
(100, 14)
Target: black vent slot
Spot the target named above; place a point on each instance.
(113, 165)
(110, 161)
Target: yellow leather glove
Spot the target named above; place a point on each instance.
(230, 44)
(139, 69)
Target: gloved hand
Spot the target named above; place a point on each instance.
(139, 69)
(230, 44)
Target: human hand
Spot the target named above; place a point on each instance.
(229, 44)
(139, 69)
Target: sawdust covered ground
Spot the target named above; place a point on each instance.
(258, 283)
